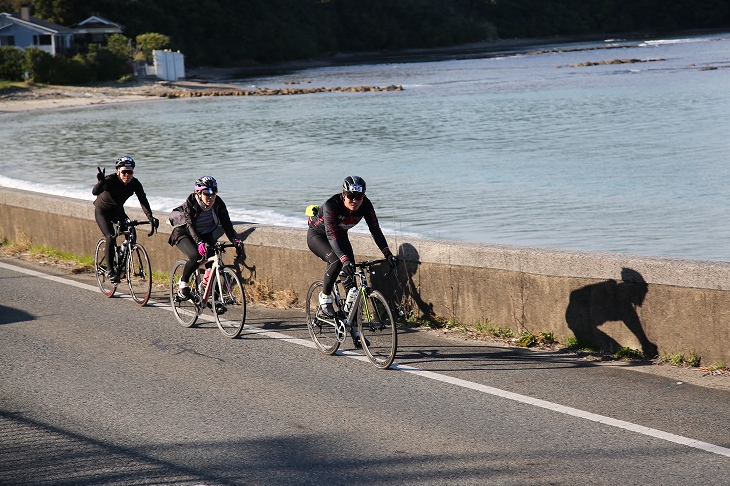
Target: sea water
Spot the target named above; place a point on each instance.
(525, 148)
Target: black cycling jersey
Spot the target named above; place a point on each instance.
(112, 193)
(335, 220)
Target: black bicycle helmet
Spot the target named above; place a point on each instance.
(206, 182)
(125, 161)
(353, 184)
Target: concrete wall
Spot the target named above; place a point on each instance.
(660, 305)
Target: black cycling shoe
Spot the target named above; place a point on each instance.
(184, 293)
(220, 308)
(113, 277)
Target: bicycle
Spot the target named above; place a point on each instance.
(223, 289)
(370, 311)
(131, 262)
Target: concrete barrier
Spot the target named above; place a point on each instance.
(658, 305)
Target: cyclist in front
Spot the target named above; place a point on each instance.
(327, 238)
(194, 223)
(111, 192)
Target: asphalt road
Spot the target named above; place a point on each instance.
(102, 391)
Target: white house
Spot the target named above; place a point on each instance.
(95, 30)
(22, 30)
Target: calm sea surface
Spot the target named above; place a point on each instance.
(518, 149)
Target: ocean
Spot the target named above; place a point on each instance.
(561, 147)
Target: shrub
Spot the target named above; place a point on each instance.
(146, 43)
(107, 64)
(11, 63)
(38, 64)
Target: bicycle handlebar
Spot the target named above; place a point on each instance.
(217, 247)
(369, 263)
(133, 222)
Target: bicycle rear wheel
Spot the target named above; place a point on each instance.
(229, 306)
(377, 330)
(186, 311)
(139, 274)
(322, 329)
(102, 267)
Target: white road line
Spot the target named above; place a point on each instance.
(536, 402)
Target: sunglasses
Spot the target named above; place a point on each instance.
(354, 196)
(209, 191)
(127, 172)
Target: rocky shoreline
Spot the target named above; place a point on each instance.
(209, 81)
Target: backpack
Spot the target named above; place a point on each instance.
(177, 217)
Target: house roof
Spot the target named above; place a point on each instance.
(96, 23)
(34, 23)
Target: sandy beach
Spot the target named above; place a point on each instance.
(45, 97)
(208, 81)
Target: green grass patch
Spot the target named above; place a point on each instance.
(691, 359)
(628, 353)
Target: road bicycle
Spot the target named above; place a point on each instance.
(369, 312)
(131, 262)
(222, 293)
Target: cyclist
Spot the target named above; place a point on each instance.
(327, 238)
(194, 223)
(111, 192)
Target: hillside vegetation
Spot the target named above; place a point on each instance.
(233, 32)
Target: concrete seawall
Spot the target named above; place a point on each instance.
(658, 305)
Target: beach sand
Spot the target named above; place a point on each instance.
(32, 97)
(209, 81)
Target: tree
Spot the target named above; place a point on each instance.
(146, 43)
(120, 45)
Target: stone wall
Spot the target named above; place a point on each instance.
(659, 305)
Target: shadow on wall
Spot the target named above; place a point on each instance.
(593, 305)
(403, 292)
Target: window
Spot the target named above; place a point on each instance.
(41, 40)
(7, 40)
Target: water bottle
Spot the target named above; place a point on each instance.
(206, 276)
(351, 297)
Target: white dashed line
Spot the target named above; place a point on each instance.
(535, 402)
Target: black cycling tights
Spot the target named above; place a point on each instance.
(320, 246)
(190, 250)
(106, 220)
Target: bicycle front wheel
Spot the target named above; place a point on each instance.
(322, 329)
(377, 330)
(229, 303)
(186, 311)
(139, 274)
(102, 267)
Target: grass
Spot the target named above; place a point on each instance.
(5, 84)
(42, 253)
(258, 292)
(690, 360)
(263, 292)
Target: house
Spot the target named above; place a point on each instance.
(22, 30)
(94, 30)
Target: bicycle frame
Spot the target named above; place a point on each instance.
(213, 277)
(130, 238)
(369, 316)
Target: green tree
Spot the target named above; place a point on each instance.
(146, 43)
(120, 45)
(11, 64)
(38, 64)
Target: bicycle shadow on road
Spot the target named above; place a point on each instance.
(9, 315)
(434, 354)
